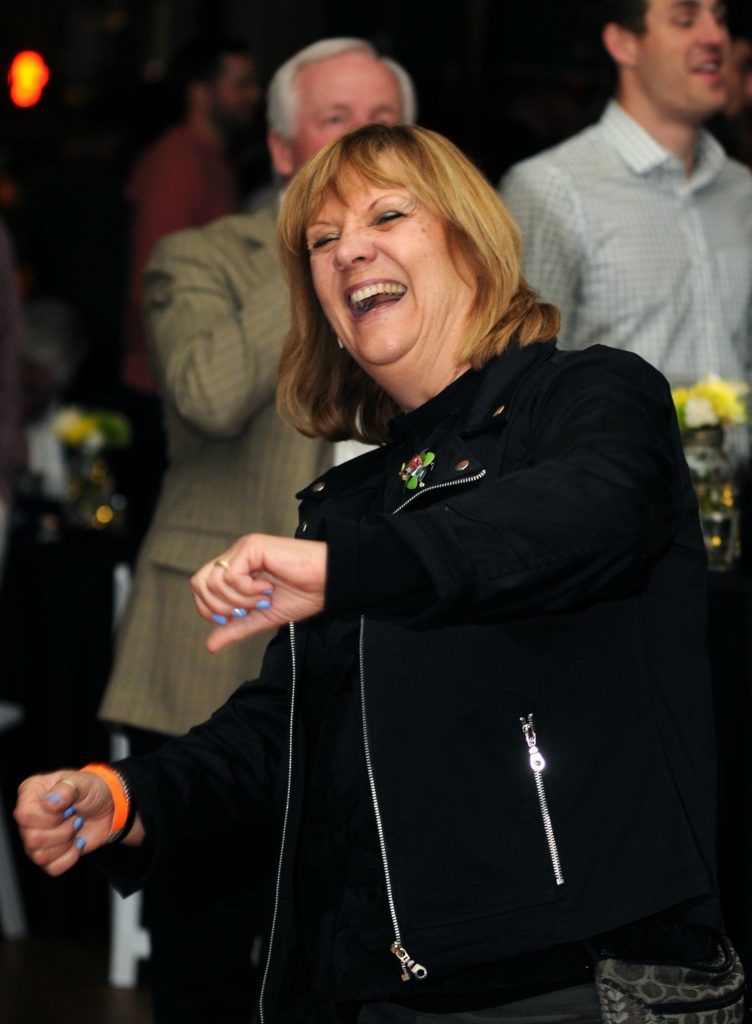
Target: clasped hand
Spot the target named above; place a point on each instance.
(260, 583)
(61, 815)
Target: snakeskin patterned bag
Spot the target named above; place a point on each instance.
(708, 993)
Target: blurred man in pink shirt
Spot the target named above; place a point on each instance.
(185, 178)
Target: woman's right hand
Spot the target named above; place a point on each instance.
(63, 815)
(260, 583)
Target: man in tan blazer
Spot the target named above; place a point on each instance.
(216, 316)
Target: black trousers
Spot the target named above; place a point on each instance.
(207, 913)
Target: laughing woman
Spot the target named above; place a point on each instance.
(484, 738)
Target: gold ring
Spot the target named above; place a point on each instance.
(73, 786)
(222, 563)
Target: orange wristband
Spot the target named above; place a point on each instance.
(122, 817)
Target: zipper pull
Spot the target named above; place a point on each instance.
(409, 967)
(537, 760)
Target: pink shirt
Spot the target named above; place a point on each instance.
(181, 181)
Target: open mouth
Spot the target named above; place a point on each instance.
(711, 66)
(382, 293)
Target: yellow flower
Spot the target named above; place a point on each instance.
(724, 396)
(711, 401)
(95, 429)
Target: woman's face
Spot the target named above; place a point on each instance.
(390, 290)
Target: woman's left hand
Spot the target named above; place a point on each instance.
(260, 583)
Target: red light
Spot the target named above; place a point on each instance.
(27, 78)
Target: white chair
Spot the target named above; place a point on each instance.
(12, 916)
(129, 940)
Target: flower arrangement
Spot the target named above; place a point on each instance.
(711, 402)
(92, 430)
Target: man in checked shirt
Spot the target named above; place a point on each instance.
(640, 227)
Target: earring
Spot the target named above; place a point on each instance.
(339, 342)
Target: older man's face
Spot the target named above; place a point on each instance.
(335, 96)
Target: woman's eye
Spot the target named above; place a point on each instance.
(321, 243)
(389, 215)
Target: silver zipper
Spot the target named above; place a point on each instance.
(272, 929)
(538, 763)
(435, 487)
(410, 969)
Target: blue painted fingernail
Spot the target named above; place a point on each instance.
(53, 798)
(78, 823)
(263, 605)
(69, 812)
(239, 613)
(80, 843)
(221, 620)
(268, 592)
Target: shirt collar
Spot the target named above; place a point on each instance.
(644, 154)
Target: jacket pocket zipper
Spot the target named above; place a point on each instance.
(537, 764)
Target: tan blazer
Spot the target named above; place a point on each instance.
(217, 313)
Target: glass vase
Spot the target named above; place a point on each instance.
(713, 479)
(92, 501)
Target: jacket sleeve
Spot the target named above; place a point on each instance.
(215, 346)
(544, 205)
(604, 494)
(219, 779)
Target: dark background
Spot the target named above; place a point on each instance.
(503, 79)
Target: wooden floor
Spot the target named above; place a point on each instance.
(64, 981)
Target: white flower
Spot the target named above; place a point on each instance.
(698, 412)
(94, 443)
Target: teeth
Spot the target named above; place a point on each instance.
(382, 288)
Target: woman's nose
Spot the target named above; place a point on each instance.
(354, 247)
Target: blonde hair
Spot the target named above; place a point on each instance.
(322, 391)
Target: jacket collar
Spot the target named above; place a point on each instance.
(500, 379)
(478, 396)
(471, 404)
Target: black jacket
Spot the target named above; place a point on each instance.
(535, 689)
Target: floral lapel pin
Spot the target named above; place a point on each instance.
(414, 471)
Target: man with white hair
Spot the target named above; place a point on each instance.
(216, 316)
(329, 88)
